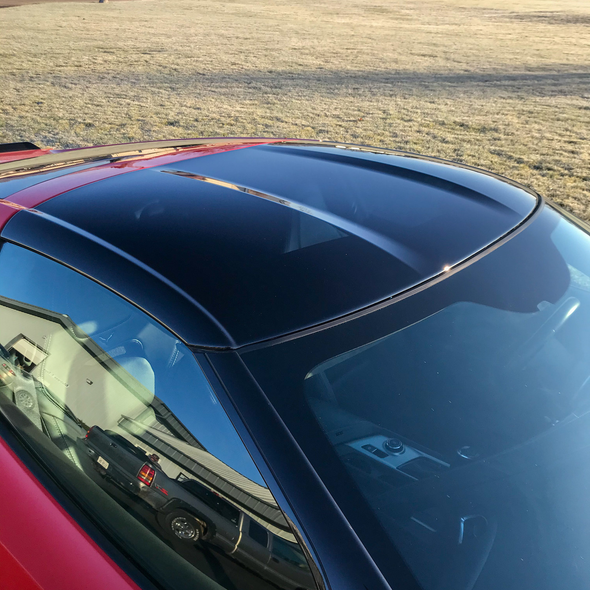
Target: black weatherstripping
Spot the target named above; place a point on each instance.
(228, 403)
(271, 240)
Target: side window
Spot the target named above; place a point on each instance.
(118, 412)
(258, 533)
(289, 552)
(213, 500)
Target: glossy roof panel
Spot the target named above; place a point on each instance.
(276, 238)
(428, 214)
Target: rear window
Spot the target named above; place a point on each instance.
(288, 552)
(258, 533)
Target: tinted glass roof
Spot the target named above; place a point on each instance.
(272, 239)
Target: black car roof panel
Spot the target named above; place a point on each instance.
(274, 239)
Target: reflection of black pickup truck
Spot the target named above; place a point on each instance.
(7, 370)
(189, 511)
(181, 512)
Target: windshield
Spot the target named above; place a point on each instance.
(454, 425)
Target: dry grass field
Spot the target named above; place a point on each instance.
(501, 85)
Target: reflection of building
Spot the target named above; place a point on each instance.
(169, 423)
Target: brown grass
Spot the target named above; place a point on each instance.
(11, 3)
(476, 81)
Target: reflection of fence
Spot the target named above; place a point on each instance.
(254, 499)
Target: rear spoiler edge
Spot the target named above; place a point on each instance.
(19, 146)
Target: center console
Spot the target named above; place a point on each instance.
(397, 454)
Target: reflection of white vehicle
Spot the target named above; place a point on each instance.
(189, 512)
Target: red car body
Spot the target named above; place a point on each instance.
(31, 562)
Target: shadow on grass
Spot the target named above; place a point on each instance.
(540, 83)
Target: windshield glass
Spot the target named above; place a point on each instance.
(454, 425)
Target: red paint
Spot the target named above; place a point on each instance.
(58, 555)
(12, 574)
(32, 196)
(5, 213)
(22, 155)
